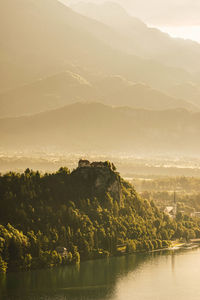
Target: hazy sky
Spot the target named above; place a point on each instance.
(178, 17)
(166, 12)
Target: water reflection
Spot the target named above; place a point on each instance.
(173, 261)
(92, 280)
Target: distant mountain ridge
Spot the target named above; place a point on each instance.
(47, 93)
(52, 56)
(150, 43)
(142, 40)
(67, 87)
(118, 91)
(48, 38)
(97, 127)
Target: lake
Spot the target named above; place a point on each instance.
(161, 275)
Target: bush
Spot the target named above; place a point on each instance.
(130, 246)
(165, 244)
(3, 265)
(26, 262)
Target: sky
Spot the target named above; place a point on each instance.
(180, 18)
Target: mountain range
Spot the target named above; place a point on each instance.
(149, 43)
(76, 78)
(98, 127)
(67, 87)
(142, 40)
(47, 38)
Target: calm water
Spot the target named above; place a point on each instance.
(155, 276)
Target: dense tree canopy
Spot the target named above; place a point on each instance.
(92, 212)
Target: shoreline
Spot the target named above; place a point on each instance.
(175, 246)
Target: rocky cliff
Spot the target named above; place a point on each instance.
(98, 179)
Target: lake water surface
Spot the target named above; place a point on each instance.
(162, 275)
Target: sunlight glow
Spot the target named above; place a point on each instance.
(185, 32)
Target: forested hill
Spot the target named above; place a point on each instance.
(91, 211)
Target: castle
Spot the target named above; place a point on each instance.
(104, 176)
(85, 163)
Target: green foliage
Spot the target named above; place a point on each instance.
(165, 244)
(3, 266)
(130, 246)
(91, 212)
(26, 262)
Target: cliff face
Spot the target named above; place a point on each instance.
(96, 179)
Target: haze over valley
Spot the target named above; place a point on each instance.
(99, 149)
(92, 78)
